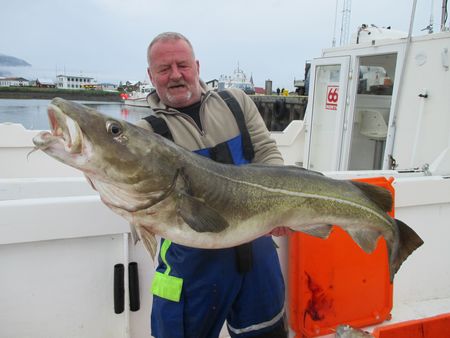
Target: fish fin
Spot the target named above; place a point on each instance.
(316, 230)
(409, 241)
(198, 215)
(134, 234)
(90, 182)
(380, 196)
(149, 240)
(366, 239)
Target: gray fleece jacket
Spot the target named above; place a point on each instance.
(219, 124)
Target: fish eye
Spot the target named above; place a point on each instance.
(114, 128)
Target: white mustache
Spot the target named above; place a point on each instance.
(174, 84)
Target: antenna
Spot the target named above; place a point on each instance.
(345, 23)
(333, 43)
(429, 28)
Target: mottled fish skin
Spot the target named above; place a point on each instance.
(163, 189)
(346, 331)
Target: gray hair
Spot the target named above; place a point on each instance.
(167, 36)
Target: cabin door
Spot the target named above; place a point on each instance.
(324, 119)
(369, 116)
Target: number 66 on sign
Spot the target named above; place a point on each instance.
(332, 97)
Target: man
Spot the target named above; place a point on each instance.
(196, 290)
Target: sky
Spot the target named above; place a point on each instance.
(268, 39)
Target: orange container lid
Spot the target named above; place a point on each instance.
(431, 327)
(334, 281)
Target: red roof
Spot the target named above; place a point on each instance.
(260, 90)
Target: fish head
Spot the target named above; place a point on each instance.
(107, 150)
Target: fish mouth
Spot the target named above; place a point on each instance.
(65, 133)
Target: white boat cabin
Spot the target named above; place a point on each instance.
(380, 104)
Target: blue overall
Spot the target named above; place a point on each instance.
(214, 291)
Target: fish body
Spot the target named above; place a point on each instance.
(163, 189)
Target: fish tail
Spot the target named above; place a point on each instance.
(408, 242)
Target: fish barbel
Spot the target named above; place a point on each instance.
(163, 189)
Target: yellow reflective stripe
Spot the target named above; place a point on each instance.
(167, 287)
(164, 247)
(164, 285)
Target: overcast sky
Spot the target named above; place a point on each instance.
(107, 39)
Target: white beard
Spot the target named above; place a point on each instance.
(175, 100)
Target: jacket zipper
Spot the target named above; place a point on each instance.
(187, 117)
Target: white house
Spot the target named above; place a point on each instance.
(108, 86)
(13, 82)
(75, 82)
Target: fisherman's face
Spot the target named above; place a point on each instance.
(174, 72)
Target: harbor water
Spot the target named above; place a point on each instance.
(32, 114)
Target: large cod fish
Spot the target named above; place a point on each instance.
(163, 189)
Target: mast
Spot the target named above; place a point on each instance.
(345, 23)
(444, 15)
(333, 43)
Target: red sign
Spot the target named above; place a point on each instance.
(332, 97)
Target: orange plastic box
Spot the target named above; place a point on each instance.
(334, 281)
(432, 327)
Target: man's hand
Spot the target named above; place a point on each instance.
(280, 231)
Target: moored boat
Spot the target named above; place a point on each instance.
(138, 98)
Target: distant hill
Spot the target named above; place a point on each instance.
(11, 61)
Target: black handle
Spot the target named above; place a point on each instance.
(133, 286)
(119, 288)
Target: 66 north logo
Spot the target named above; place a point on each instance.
(332, 97)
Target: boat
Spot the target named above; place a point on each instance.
(138, 97)
(377, 108)
(237, 80)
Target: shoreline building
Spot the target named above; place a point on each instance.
(45, 83)
(75, 82)
(14, 82)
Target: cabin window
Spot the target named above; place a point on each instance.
(372, 111)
